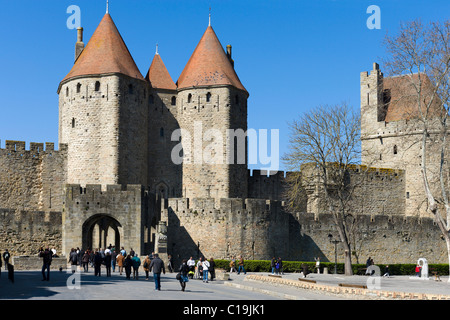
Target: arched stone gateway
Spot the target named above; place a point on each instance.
(95, 218)
(100, 231)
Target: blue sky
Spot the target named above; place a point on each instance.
(290, 55)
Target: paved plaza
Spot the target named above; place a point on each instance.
(252, 286)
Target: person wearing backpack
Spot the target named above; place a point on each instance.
(73, 259)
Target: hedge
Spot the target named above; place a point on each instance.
(297, 266)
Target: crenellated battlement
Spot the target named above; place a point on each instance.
(224, 205)
(94, 194)
(12, 146)
(369, 222)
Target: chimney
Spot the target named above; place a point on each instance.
(79, 46)
(229, 54)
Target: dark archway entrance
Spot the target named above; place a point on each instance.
(100, 231)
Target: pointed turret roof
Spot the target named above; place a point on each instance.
(158, 75)
(209, 65)
(105, 53)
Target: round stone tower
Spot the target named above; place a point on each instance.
(212, 114)
(103, 112)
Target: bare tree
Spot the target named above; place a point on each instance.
(420, 53)
(324, 146)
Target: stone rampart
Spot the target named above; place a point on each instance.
(252, 228)
(387, 239)
(32, 179)
(25, 232)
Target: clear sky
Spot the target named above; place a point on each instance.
(290, 55)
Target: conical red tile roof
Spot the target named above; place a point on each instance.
(105, 53)
(209, 65)
(158, 75)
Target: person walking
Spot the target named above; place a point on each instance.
(233, 265)
(120, 260)
(107, 261)
(146, 265)
(191, 265)
(73, 259)
(97, 263)
(317, 267)
(183, 271)
(199, 268)
(273, 265)
(128, 264)
(170, 263)
(386, 271)
(46, 256)
(205, 268)
(212, 269)
(280, 266)
(85, 260)
(6, 256)
(241, 265)
(113, 259)
(157, 265)
(136, 264)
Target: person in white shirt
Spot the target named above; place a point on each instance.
(191, 265)
(205, 265)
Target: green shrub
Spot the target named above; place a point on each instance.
(297, 267)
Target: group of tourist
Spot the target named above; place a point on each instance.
(240, 265)
(129, 263)
(276, 265)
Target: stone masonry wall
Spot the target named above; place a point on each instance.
(396, 239)
(126, 208)
(103, 119)
(24, 232)
(207, 171)
(165, 176)
(32, 179)
(398, 144)
(253, 228)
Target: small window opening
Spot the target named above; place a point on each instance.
(208, 97)
(130, 89)
(161, 132)
(73, 122)
(174, 100)
(78, 87)
(189, 98)
(395, 149)
(97, 86)
(151, 99)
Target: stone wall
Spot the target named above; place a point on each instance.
(210, 164)
(32, 179)
(24, 232)
(395, 239)
(398, 144)
(124, 210)
(103, 119)
(253, 228)
(266, 185)
(165, 176)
